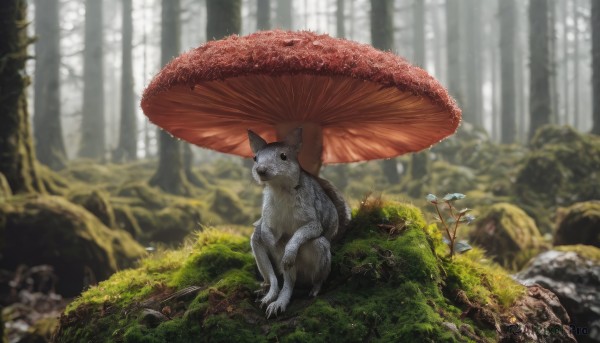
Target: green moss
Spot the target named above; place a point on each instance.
(67, 237)
(96, 201)
(508, 234)
(579, 224)
(228, 205)
(388, 283)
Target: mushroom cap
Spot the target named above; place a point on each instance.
(369, 104)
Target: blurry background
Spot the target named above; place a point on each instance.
(527, 154)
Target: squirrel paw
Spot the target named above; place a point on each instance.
(270, 297)
(288, 260)
(276, 308)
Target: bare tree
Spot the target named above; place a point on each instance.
(453, 50)
(382, 37)
(507, 13)
(127, 149)
(540, 107)
(473, 107)
(595, 24)
(263, 14)
(17, 160)
(339, 17)
(47, 128)
(92, 123)
(283, 18)
(170, 175)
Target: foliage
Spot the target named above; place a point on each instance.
(451, 223)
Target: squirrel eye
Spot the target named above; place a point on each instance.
(254, 158)
(283, 156)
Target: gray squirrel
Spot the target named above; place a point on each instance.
(301, 214)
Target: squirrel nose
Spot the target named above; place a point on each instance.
(262, 171)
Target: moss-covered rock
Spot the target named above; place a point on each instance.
(579, 224)
(50, 230)
(228, 205)
(388, 283)
(125, 220)
(97, 203)
(508, 234)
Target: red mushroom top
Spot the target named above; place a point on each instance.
(369, 104)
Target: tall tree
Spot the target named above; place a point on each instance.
(92, 123)
(419, 33)
(263, 14)
(47, 128)
(17, 160)
(473, 107)
(382, 37)
(540, 104)
(575, 13)
(283, 19)
(507, 11)
(224, 17)
(453, 49)
(127, 149)
(340, 19)
(595, 24)
(170, 175)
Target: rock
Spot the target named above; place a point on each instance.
(390, 282)
(573, 274)
(579, 224)
(228, 205)
(151, 318)
(508, 235)
(96, 202)
(50, 230)
(537, 317)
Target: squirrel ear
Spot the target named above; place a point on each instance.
(256, 142)
(294, 139)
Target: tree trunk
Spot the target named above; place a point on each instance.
(576, 65)
(17, 157)
(453, 50)
(283, 19)
(473, 110)
(170, 175)
(263, 14)
(419, 33)
(224, 17)
(565, 67)
(382, 37)
(595, 28)
(552, 58)
(539, 97)
(437, 41)
(47, 128)
(339, 17)
(507, 14)
(127, 149)
(92, 123)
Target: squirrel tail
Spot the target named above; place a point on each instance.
(341, 206)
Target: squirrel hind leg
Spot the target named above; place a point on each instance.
(314, 264)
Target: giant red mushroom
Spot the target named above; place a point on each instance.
(354, 102)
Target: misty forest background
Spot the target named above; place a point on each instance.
(511, 65)
(110, 187)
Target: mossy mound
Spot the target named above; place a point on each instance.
(228, 205)
(579, 224)
(388, 283)
(50, 230)
(97, 203)
(563, 168)
(508, 234)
